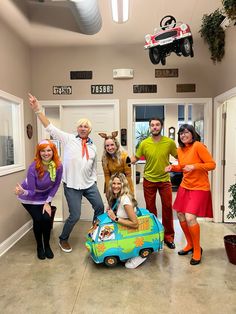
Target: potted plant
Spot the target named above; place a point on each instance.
(141, 134)
(213, 34)
(230, 240)
(230, 9)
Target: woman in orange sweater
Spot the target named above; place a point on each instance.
(115, 160)
(194, 196)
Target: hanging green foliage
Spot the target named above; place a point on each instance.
(230, 9)
(212, 33)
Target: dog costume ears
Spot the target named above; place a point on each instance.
(106, 136)
(103, 135)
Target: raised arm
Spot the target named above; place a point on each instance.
(38, 111)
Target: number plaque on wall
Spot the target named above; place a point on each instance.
(144, 89)
(166, 72)
(62, 90)
(102, 89)
(81, 75)
(185, 88)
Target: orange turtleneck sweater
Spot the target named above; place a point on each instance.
(195, 154)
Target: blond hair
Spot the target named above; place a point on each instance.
(86, 122)
(117, 154)
(124, 189)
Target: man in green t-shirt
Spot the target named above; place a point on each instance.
(157, 149)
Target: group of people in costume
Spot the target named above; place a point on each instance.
(79, 180)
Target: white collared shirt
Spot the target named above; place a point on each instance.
(78, 172)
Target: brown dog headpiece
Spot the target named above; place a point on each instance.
(106, 136)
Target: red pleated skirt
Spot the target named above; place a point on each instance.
(198, 203)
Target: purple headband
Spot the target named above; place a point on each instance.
(44, 142)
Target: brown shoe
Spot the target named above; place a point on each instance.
(65, 246)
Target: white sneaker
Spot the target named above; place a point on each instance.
(134, 262)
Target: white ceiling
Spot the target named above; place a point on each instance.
(144, 16)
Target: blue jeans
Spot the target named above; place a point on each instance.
(74, 198)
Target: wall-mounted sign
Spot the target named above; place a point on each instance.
(185, 88)
(144, 89)
(81, 75)
(102, 89)
(166, 72)
(62, 90)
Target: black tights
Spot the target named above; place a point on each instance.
(42, 224)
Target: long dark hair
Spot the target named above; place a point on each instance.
(190, 128)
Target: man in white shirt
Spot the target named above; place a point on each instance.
(79, 171)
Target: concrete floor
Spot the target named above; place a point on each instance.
(73, 283)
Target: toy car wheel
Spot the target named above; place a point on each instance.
(186, 47)
(110, 261)
(145, 252)
(154, 55)
(163, 61)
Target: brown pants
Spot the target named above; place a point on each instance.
(165, 191)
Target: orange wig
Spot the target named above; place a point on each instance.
(38, 160)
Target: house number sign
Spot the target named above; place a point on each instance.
(102, 89)
(62, 90)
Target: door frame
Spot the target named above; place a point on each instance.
(76, 103)
(208, 111)
(217, 151)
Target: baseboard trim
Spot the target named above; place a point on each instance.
(15, 237)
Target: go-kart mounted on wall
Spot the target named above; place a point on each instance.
(171, 37)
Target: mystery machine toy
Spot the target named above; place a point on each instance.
(109, 242)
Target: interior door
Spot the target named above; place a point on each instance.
(103, 119)
(230, 151)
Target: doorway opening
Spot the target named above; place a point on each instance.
(174, 112)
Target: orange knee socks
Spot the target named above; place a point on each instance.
(195, 235)
(187, 234)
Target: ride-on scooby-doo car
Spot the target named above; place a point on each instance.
(171, 37)
(108, 242)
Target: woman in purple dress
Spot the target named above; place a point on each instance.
(37, 191)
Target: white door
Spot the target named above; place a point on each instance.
(230, 151)
(104, 118)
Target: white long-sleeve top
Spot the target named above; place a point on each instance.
(78, 173)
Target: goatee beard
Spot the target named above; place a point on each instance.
(156, 133)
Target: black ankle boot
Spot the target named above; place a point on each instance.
(40, 253)
(48, 252)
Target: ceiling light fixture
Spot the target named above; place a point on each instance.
(120, 10)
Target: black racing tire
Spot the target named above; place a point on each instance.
(111, 261)
(163, 61)
(145, 252)
(155, 55)
(186, 47)
(192, 53)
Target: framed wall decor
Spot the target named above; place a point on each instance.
(29, 130)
